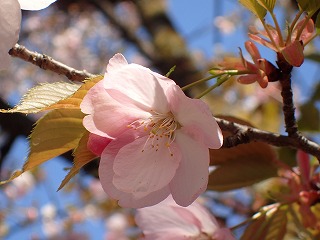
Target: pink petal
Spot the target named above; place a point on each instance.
(142, 87)
(187, 215)
(35, 4)
(194, 114)
(106, 175)
(208, 224)
(10, 20)
(116, 62)
(161, 222)
(141, 167)
(191, 178)
(97, 144)
(108, 118)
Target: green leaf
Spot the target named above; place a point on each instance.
(82, 156)
(277, 224)
(271, 225)
(314, 56)
(267, 4)
(255, 8)
(310, 6)
(310, 118)
(74, 101)
(287, 155)
(256, 229)
(317, 24)
(242, 169)
(55, 133)
(42, 96)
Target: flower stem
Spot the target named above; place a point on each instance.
(184, 88)
(294, 22)
(270, 36)
(241, 224)
(309, 40)
(217, 84)
(300, 30)
(278, 29)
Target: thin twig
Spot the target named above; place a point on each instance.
(48, 63)
(107, 9)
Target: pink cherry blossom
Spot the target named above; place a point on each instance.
(159, 138)
(10, 20)
(169, 221)
(35, 4)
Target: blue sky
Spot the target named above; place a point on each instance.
(197, 17)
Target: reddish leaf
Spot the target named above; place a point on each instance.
(242, 165)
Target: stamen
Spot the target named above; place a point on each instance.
(158, 125)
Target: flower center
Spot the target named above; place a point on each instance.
(159, 125)
(162, 125)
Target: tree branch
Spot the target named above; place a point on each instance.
(107, 9)
(287, 97)
(245, 134)
(48, 63)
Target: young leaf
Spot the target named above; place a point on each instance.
(310, 118)
(269, 226)
(317, 24)
(42, 96)
(73, 102)
(267, 4)
(55, 133)
(255, 8)
(310, 6)
(255, 229)
(293, 53)
(242, 165)
(82, 156)
(278, 224)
